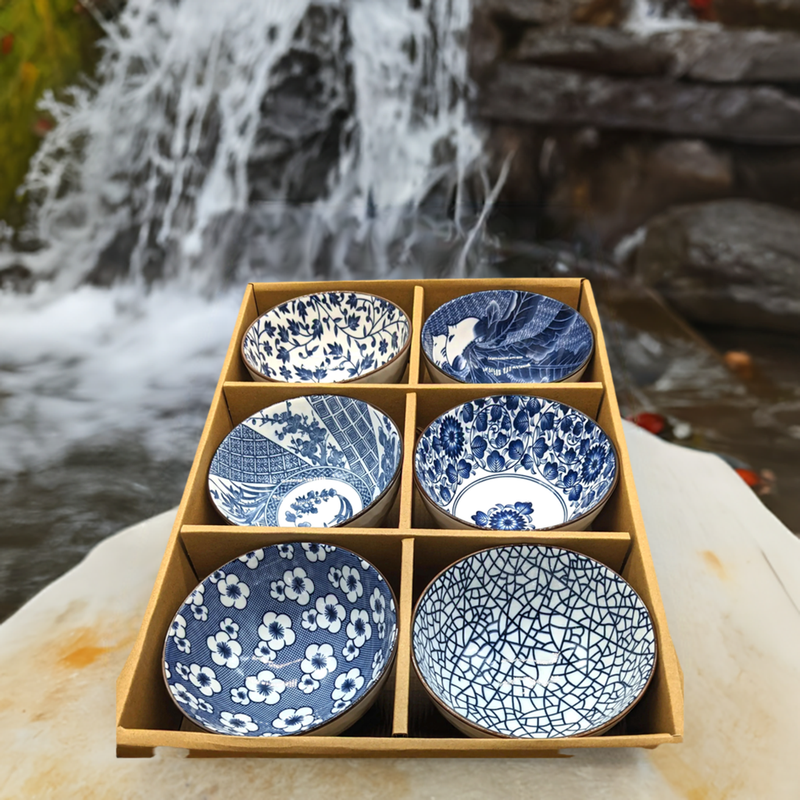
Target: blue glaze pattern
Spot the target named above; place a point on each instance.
(532, 641)
(280, 641)
(314, 461)
(514, 462)
(504, 336)
(326, 337)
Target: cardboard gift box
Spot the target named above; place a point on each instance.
(408, 549)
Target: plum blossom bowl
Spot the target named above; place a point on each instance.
(515, 462)
(317, 461)
(505, 336)
(288, 639)
(329, 337)
(529, 641)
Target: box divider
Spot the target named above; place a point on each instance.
(407, 478)
(403, 664)
(417, 321)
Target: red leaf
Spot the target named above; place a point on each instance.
(654, 423)
(7, 44)
(749, 477)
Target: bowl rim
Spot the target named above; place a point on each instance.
(400, 353)
(345, 523)
(599, 502)
(429, 362)
(378, 683)
(606, 725)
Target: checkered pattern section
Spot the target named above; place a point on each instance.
(248, 457)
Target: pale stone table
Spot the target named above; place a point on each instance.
(730, 576)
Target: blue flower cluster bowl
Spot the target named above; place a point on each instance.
(329, 337)
(506, 336)
(317, 461)
(515, 462)
(529, 641)
(289, 639)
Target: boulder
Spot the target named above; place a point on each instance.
(728, 262)
(774, 14)
(771, 174)
(551, 12)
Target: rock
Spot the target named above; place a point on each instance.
(552, 12)
(771, 174)
(728, 262)
(772, 14)
(605, 50)
(16, 278)
(542, 95)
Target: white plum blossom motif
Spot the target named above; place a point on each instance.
(350, 651)
(377, 664)
(238, 723)
(307, 684)
(378, 605)
(391, 605)
(286, 550)
(298, 585)
(197, 597)
(200, 613)
(339, 705)
(364, 564)
(233, 592)
(314, 551)
(309, 619)
(239, 695)
(182, 670)
(184, 645)
(183, 695)
(253, 558)
(319, 661)
(277, 630)
(216, 575)
(205, 679)
(350, 583)
(264, 687)
(263, 653)
(204, 706)
(334, 576)
(277, 590)
(347, 684)
(292, 720)
(330, 613)
(224, 650)
(178, 627)
(381, 626)
(167, 671)
(230, 627)
(359, 629)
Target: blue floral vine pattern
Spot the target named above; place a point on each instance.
(326, 337)
(506, 517)
(291, 636)
(308, 505)
(514, 434)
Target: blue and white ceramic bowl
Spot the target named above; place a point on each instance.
(311, 462)
(514, 462)
(505, 336)
(329, 337)
(528, 641)
(282, 640)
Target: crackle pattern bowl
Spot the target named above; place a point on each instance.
(289, 639)
(506, 336)
(529, 641)
(515, 462)
(329, 337)
(316, 461)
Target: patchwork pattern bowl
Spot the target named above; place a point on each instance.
(505, 336)
(531, 641)
(283, 640)
(329, 337)
(317, 461)
(515, 462)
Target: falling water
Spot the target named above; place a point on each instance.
(219, 143)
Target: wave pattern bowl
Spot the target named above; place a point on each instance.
(528, 641)
(329, 337)
(505, 336)
(515, 462)
(288, 639)
(317, 461)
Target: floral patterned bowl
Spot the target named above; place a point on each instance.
(329, 337)
(311, 462)
(529, 641)
(514, 462)
(292, 638)
(504, 336)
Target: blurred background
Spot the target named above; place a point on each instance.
(155, 155)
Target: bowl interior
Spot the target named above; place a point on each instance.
(326, 337)
(314, 461)
(532, 641)
(514, 462)
(281, 640)
(506, 336)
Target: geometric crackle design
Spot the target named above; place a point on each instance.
(534, 642)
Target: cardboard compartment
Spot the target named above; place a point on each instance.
(409, 550)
